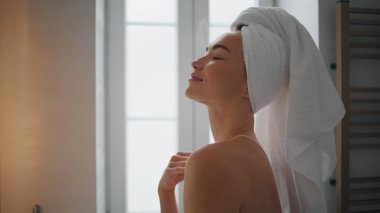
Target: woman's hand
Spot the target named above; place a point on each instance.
(174, 172)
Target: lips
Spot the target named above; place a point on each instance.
(195, 77)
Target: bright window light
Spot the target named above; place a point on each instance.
(151, 98)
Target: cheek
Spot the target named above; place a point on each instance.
(224, 82)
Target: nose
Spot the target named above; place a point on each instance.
(196, 65)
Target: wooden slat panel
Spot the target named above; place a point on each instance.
(364, 146)
(373, 190)
(343, 34)
(365, 211)
(364, 45)
(365, 33)
(364, 10)
(364, 89)
(365, 112)
(365, 56)
(364, 135)
(365, 123)
(364, 202)
(372, 179)
(364, 101)
(364, 22)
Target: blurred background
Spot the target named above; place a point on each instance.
(92, 99)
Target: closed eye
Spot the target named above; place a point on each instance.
(216, 58)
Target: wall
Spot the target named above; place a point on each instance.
(306, 12)
(47, 106)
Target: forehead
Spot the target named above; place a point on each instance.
(232, 40)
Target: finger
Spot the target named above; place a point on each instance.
(176, 158)
(184, 153)
(176, 170)
(175, 164)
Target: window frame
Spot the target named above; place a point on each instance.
(193, 124)
(115, 125)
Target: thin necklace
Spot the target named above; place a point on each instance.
(245, 136)
(254, 141)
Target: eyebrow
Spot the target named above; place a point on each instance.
(216, 46)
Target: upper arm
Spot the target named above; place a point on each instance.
(209, 186)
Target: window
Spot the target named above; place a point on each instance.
(161, 39)
(221, 17)
(151, 103)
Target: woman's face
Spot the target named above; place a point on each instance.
(219, 76)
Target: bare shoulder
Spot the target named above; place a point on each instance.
(227, 152)
(218, 163)
(239, 147)
(209, 183)
(229, 176)
(206, 160)
(208, 152)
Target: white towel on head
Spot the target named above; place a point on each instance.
(295, 103)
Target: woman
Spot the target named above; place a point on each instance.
(267, 66)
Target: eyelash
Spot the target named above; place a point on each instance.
(216, 58)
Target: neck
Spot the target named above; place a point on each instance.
(231, 120)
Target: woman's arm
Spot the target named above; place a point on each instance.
(173, 174)
(167, 202)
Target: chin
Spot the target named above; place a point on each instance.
(190, 95)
